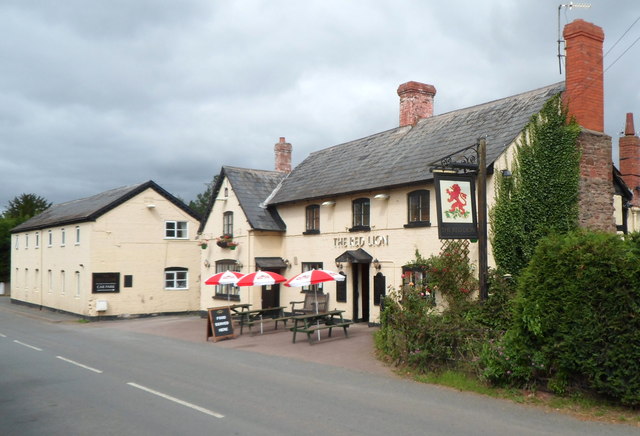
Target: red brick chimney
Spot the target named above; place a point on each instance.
(416, 101)
(584, 93)
(630, 159)
(282, 151)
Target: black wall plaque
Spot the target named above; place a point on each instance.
(105, 282)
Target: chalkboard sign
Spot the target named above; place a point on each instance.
(219, 324)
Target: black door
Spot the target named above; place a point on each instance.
(271, 294)
(360, 291)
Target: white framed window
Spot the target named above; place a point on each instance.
(50, 280)
(37, 240)
(62, 282)
(17, 244)
(77, 284)
(227, 291)
(176, 278)
(77, 235)
(63, 237)
(49, 238)
(26, 240)
(176, 230)
(36, 280)
(227, 223)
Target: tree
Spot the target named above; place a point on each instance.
(542, 194)
(20, 209)
(26, 206)
(200, 204)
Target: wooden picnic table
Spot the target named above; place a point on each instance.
(313, 322)
(249, 317)
(237, 309)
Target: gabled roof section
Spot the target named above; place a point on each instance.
(251, 187)
(91, 208)
(401, 156)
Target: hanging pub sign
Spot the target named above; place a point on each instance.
(456, 205)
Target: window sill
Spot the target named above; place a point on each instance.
(311, 232)
(360, 229)
(417, 224)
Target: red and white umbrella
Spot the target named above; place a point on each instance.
(260, 278)
(314, 277)
(224, 278)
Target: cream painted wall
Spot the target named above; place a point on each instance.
(130, 240)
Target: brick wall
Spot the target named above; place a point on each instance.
(596, 182)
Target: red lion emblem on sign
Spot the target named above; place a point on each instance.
(458, 199)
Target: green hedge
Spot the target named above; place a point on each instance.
(577, 319)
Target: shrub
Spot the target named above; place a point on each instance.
(577, 319)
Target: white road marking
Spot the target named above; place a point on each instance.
(27, 345)
(79, 364)
(2, 336)
(176, 400)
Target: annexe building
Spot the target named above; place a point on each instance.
(126, 251)
(366, 207)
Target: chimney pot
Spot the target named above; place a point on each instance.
(416, 102)
(629, 130)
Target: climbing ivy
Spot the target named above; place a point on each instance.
(542, 194)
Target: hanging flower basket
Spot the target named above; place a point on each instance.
(203, 244)
(226, 241)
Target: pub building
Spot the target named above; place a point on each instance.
(364, 207)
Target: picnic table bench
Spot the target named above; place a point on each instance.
(250, 317)
(314, 322)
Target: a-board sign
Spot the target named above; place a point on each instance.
(219, 325)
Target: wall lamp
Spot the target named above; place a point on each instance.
(338, 264)
(376, 264)
(328, 203)
(239, 264)
(207, 264)
(506, 173)
(381, 197)
(286, 262)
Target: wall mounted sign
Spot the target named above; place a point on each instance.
(105, 282)
(456, 204)
(361, 241)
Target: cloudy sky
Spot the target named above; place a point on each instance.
(105, 93)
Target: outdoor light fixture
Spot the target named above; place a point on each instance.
(338, 264)
(151, 206)
(238, 264)
(376, 264)
(381, 197)
(328, 203)
(506, 173)
(286, 262)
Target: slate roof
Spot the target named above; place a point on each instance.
(401, 156)
(91, 208)
(252, 187)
